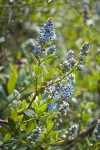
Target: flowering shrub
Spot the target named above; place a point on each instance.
(37, 122)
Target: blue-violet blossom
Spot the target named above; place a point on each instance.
(67, 91)
(47, 31)
(52, 106)
(37, 50)
(51, 49)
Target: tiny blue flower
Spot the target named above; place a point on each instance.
(80, 57)
(71, 78)
(45, 94)
(52, 88)
(52, 106)
(66, 65)
(80, 67)
(72, 61)
(57, 96)
(85, 48)
(70, 54)
(37, 50)
(51, 49)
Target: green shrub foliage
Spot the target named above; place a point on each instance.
(49, 92)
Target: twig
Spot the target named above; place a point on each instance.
(3, 122)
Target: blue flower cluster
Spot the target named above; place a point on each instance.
(70, 58)
(62, 110)
(47, 31)
(52, 106)
(97, 130)
(85, 48)
(70, 54)
(63, 107)
(72, 132)
(67, 91)
(57, 96)
(52, 93)
(35, 134)
(51, 49)
(37, 50)
(69, 62)
(58, 92)
(80, 67)
(45, 94)
(84, 51)
(71, 78)
(65, 66)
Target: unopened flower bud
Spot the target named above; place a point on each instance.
(16, 94)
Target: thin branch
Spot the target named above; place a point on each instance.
(3, 122)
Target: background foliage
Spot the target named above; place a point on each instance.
(75, 22)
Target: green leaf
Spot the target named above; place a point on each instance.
(2, 93)
(39, 100)
(30, 126)
(49, 74)
(50, 126)
(14, 114)
(11, 122)
(21, 77)
(96, 146)
(43, 107)
(44, 72)
(38, 70)
(56, 135)
(34, 58)
(85, 116)
(49, 58)
(22, 126)
(39, 97)
(88, 142)
(79, 146)
(11, 142)
(90, 105)
(30, 113)
(53, 73)
(12, 125)
(7, 137)
(59, 71)
(36, 106)
(12, 81)
(24, 104)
